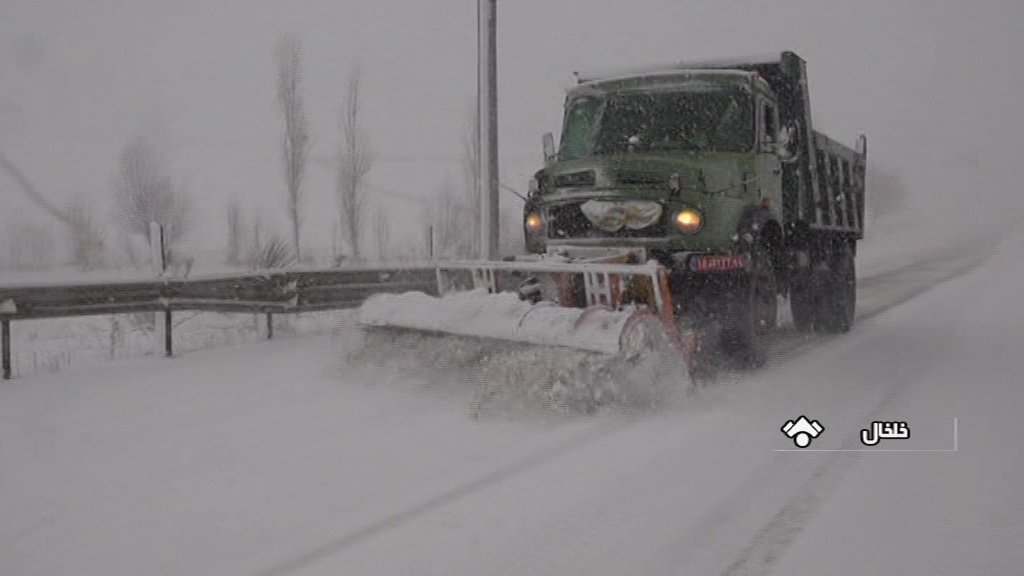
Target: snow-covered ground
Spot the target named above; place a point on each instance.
(284, 457)
(953, 353)
(40, 346)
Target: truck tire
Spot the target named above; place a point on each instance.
(753, 312)
(705, 360)
(839, 298)
(803, 303)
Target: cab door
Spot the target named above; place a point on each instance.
(768, 164)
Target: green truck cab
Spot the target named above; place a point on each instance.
(713, 169)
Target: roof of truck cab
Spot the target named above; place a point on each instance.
(668, 80)
(716, 64)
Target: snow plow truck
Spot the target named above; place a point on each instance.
(684, 199)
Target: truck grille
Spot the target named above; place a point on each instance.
(568, 221)
(575, 179)
(689, 178)
(637, 178)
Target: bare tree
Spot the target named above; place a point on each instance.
(456, 213)
(450, 218)
(85, 236)
(355, 161)
(130, 249)
(235, 226)
(29, 245)
(296, 144)
(144, 192)
(267, 251)
(381, 234)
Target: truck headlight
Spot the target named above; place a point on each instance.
(533, 222)
(688, 221)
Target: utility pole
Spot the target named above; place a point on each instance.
(487, 116)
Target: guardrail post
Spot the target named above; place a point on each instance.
(168, 336)
(5, 343)
(270, 326)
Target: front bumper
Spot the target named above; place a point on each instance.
(572, 252)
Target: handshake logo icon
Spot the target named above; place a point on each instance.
(802, 431)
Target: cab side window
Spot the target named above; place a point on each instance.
(769, 130)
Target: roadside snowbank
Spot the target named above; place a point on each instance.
(48, 345)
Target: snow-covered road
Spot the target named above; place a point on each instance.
(279, 458)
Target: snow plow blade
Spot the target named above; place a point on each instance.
(502, 316)
(607, 308)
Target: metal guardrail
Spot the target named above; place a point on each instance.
(269, 292)
(272, 292)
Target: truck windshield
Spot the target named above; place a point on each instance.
(712, 121)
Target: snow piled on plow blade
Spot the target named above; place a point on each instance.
(518, 356)
(502, 316)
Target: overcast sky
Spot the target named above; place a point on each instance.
(935, 84)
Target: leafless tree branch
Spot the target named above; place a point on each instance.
(381, 234)
(29, 189)
(356, 158)
(456, 212)
(28, 245)
(268, 251)
(452, 217)
(145, 192)
(235, 226)
(296, 144)
(85, 235)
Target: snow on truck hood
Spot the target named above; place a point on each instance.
(613, 216)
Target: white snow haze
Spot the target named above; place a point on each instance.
(931, 84)
(315, 453)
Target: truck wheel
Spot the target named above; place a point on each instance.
(764, 294)
(754, 312)
(705, 360)
(803, 303)
(840, 296)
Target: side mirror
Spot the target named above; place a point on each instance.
(534, 188)
(549, 148)
(784, 145)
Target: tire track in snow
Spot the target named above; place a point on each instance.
(503, 473)
(767, 547)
